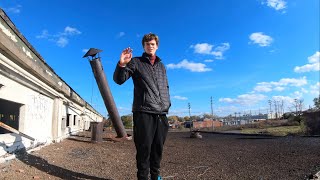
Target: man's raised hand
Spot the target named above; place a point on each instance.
(125, 56)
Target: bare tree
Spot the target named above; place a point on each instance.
(300, 106)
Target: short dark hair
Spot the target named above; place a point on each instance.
(148, 37)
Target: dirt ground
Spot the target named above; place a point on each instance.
(215, 156)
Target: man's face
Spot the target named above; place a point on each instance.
(150, 47)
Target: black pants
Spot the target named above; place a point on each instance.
(149, 133)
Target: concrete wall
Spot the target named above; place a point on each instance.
(49, 109)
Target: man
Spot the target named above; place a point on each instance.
(151, 103)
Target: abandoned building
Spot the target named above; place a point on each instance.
(34, 100)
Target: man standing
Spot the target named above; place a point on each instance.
(151, 103)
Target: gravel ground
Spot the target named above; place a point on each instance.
(215, 156)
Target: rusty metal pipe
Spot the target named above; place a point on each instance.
(107, 97)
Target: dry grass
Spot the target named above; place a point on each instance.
(272, 127)
(276, 131)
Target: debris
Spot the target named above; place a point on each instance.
(195, 135)
(20, 170)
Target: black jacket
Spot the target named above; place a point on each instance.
(151, 89)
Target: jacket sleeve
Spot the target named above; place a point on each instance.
(122, 74)
(167, 86)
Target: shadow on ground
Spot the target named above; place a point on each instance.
(43, 165)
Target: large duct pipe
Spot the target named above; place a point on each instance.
(106, 93)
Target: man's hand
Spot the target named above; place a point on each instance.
(125, 56)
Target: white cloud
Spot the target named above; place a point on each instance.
(303, 90)
(227, 100)
(280, 85)
(121, 34)
(314, 64)
(245, 99)
(202, 48)
(226, 110)
(276, 4)
(71, 31)
(218, 51)
(279, 88)
(297, 95)
(61, 39)
(263, 87)
(208, 60)
(14, 10)
(180, 98)
(44, 34)
(285, 99)
(260, 39)
(315, 89)
(291, 82)
(205, 48)
(179, 112)
(193, 67)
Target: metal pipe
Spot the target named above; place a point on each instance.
(107, 97)
(9, 128)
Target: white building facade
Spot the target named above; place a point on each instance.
(33, 98)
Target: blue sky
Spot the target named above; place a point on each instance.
(241, 53)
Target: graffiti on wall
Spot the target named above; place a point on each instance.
(39, 114)
(38, 107)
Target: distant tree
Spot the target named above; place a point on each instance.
(194, 118)
(173, 119)
(288, 115)
(107, 122)
(127, 121)
(186, 118)
(300, 106)
(297, 106)
(317, 102)
(208, 116)
(181, 119)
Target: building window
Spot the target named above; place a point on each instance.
(9, 115)
(68, 120)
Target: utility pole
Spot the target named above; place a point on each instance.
(282, 111)
(211, 107)
(250, 116)
(270, 108)
(279, 109)
(189, 106)
(212, 114)
(275, 108)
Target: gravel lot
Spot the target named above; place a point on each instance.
(215, 156)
